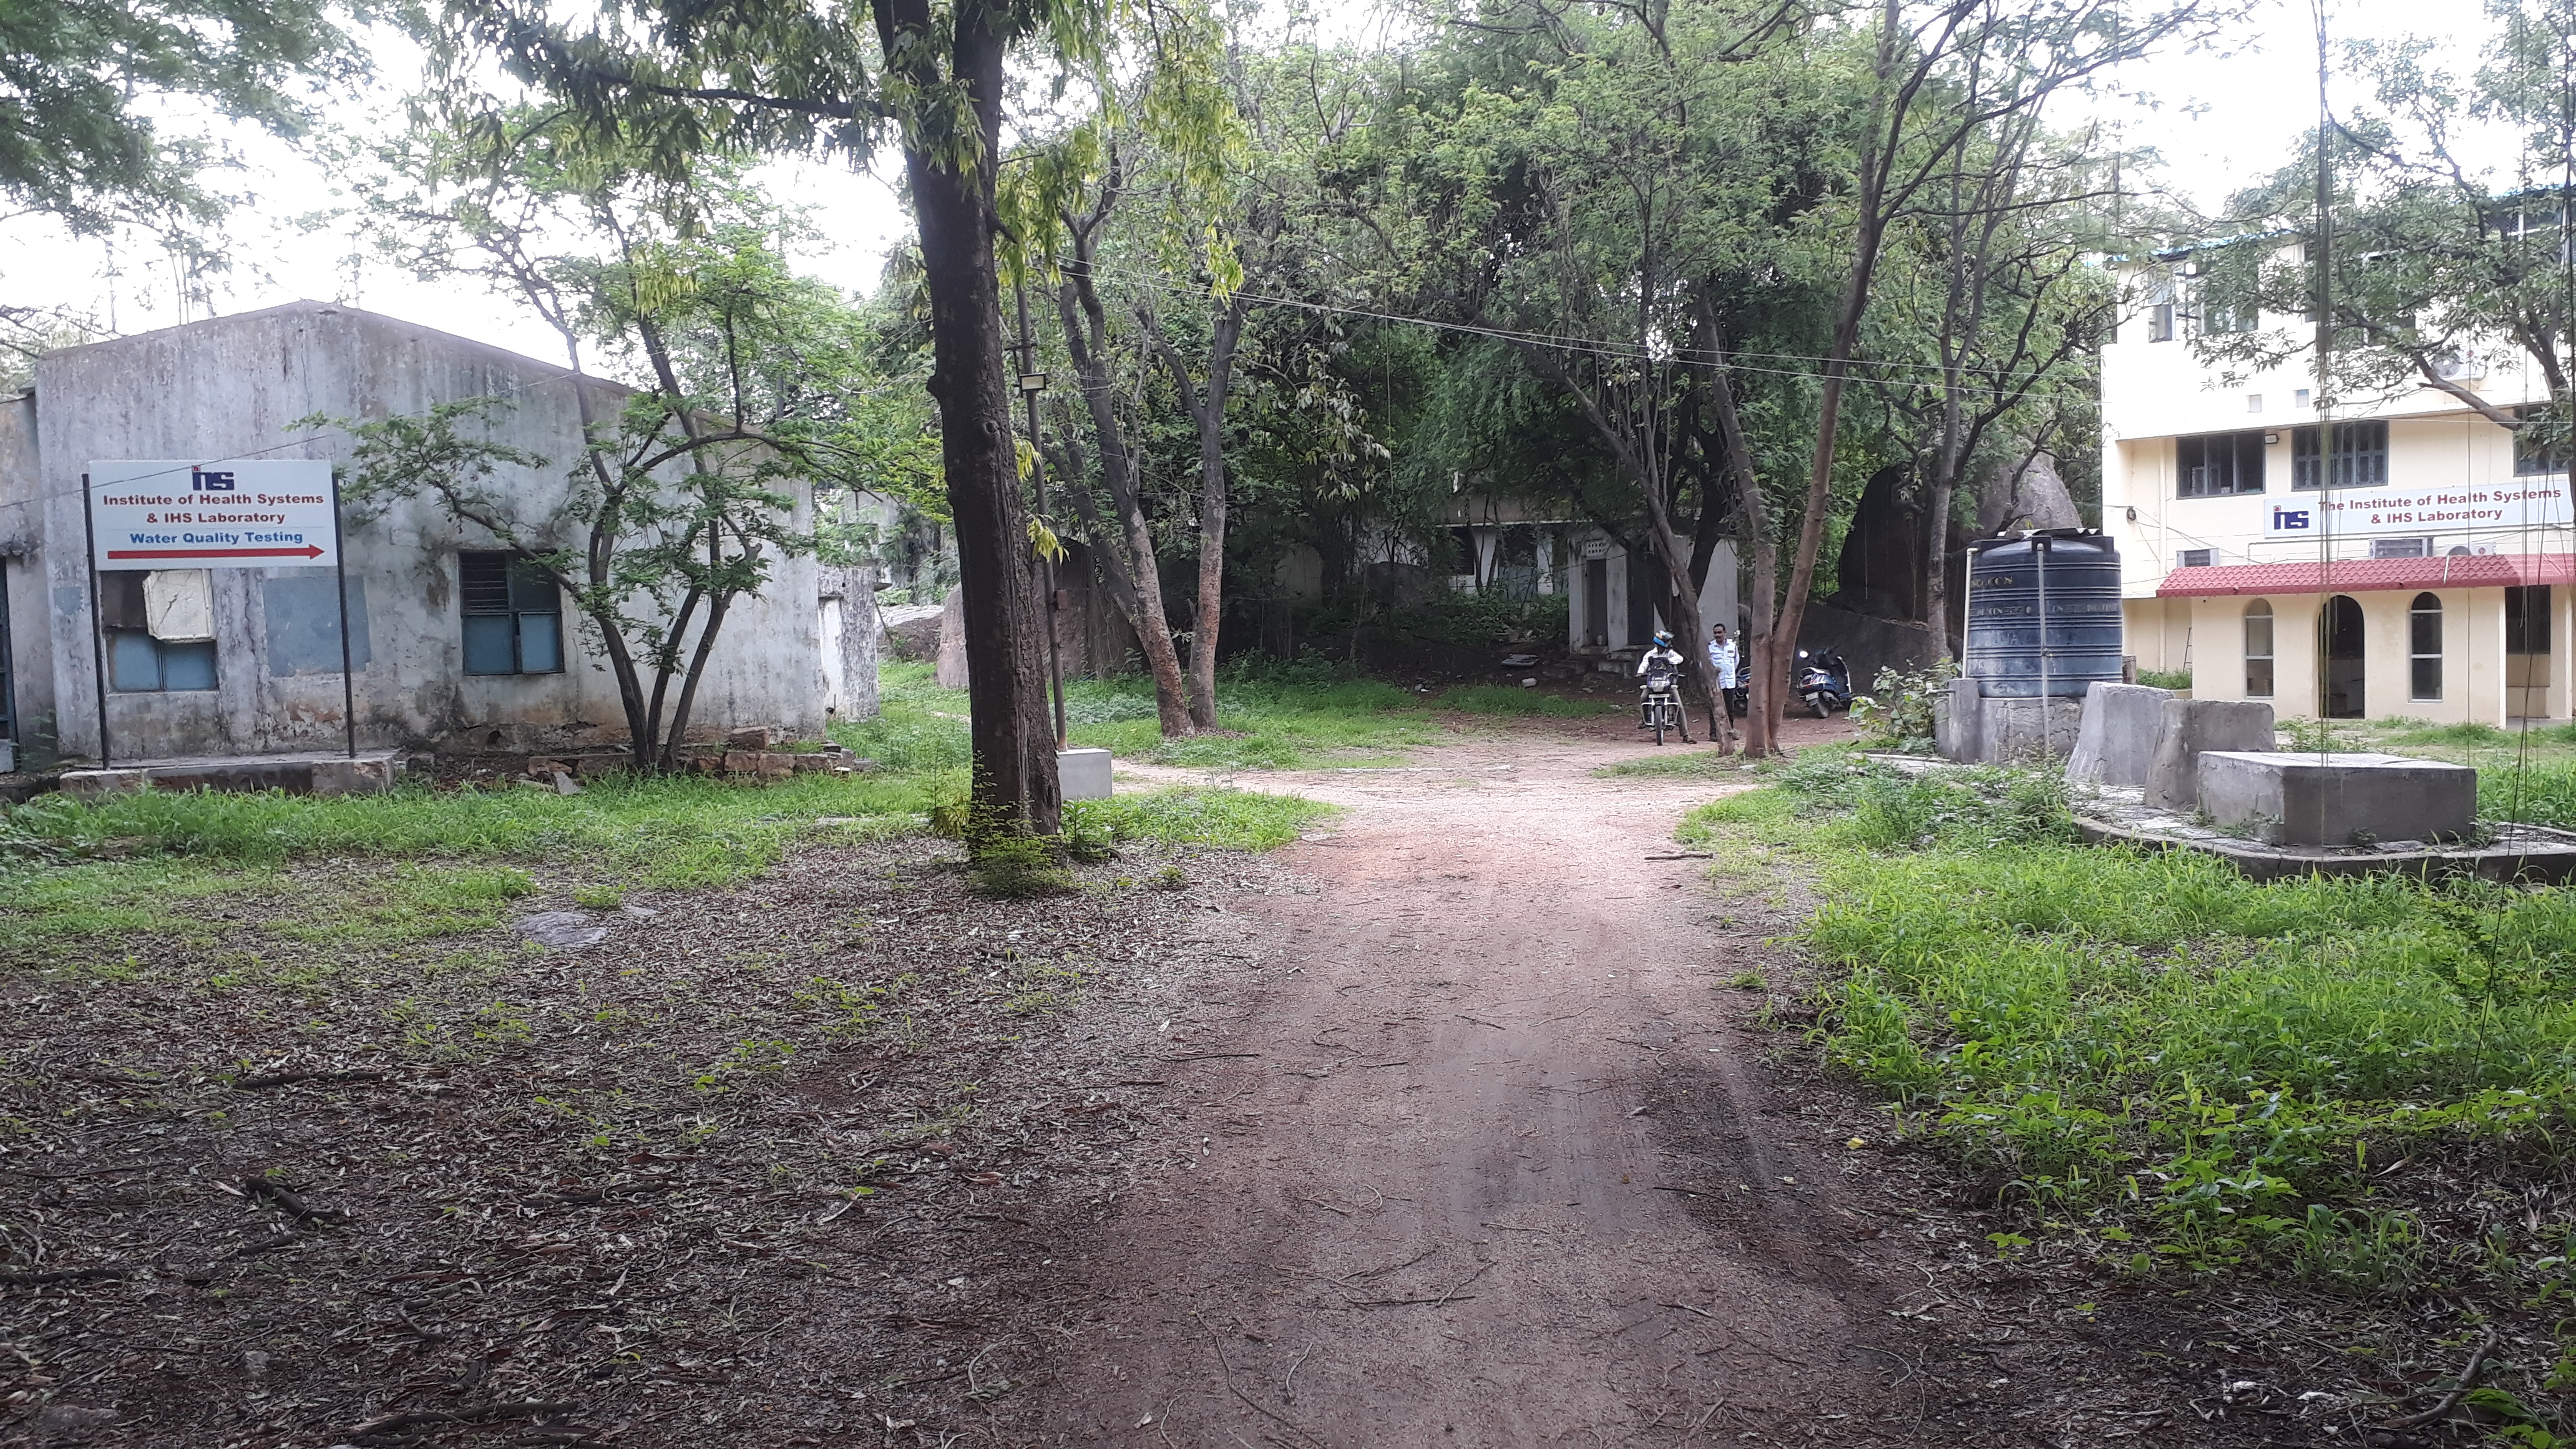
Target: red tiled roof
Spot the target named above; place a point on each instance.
(2368, 575)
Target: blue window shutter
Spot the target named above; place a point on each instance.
(540, 643)
(487, 645)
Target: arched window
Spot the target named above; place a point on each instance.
(2424, 648)
(2258, 650)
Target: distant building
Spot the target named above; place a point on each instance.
(452, 649)
(2421, 567)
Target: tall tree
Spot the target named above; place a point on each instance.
(686, 79)
(1992, 317)
(76, 137)
(2444, 272)
(746, 379)
(1945, 76)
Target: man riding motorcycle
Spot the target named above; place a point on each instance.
(1661, 671)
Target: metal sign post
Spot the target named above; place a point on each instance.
(97, 621)
(348, 676)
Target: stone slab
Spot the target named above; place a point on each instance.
(2284, 798)
(99, 784)
(2190, 727)
(362, 776)
(1956, 716)
(1083, 774)
(2529, 854)
(2116, 737)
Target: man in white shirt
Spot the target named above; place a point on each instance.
(1724, 671)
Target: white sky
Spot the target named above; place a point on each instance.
(2219, 120)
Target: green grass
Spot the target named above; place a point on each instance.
(1504, 699)
(662, 833)
(1707, 764)
(1266, 724)
(1232, 819)
(186, 870)
(2171, 1062)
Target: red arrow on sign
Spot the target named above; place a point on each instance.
(307, 551)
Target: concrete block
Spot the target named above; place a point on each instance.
(807, 764)
(353, 777)
(99, 784)
(2188, 727)
(2337, 799)
(742, 762)
(1083, 774)
(756, 738)
(2115, 738)
(1956, 718)
(2027, 731)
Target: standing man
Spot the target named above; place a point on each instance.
(1722, 671)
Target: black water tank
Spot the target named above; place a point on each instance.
(2043, 614)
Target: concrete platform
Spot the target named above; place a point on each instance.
(2296, 798)
(2531, 854)
(334, 773)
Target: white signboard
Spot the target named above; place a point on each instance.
(250, 513)
(2537, 504)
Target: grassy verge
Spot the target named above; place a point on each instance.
(197, 867)
(1228, 819)
(2174, 1066)
(1267, 724)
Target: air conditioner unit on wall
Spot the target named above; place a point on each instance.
(2460, 367)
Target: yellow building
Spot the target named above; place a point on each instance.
(2430, 576)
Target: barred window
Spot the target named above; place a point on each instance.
(513, 616)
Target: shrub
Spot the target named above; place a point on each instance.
(1897, 712)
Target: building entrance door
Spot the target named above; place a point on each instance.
(8, 686)
(2526, 652)
(2341, 647)
(1596, 602)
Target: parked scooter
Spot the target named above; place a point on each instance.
(1824, 681)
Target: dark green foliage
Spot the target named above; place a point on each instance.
(75, 140)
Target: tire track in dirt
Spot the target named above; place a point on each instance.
(1442, 1205)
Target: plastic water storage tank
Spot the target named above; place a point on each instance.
(2043, 614)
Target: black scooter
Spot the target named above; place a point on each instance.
(1824, 681)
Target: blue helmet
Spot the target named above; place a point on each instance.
(1663, 638)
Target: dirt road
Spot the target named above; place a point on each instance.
(1485, 1157)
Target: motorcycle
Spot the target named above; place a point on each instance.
(1824, 681)
(1659, 702)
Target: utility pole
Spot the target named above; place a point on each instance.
(1032, 382)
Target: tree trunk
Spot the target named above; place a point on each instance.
(1086, 327)
(1876, 154)
(1207, 409)
(1014, 774)
(1754, 653)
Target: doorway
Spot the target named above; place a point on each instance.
(2342, 647)
(2526, 651)
(1596, 602)
(8, 691)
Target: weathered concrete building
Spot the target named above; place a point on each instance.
(451, 648)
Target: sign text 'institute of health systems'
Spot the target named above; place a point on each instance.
(251, 513)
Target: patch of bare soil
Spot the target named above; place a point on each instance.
(1505, 1156)
(756, 1170)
